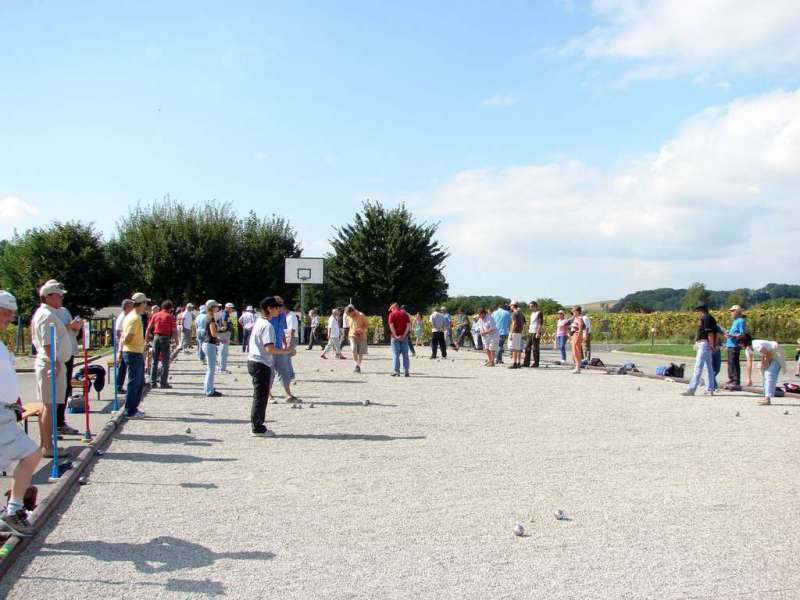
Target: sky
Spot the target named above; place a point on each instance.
(567, 149)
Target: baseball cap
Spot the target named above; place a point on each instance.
(735, 307)
(229, 305)
(51, 286)
(8, 301)
(250, 308)
(139, 297)
(211, 304)
(701, 306)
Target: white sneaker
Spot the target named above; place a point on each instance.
(266, 433)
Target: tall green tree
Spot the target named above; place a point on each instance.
(72, 253)
(695, 294)
(385, 255)
(739, 297)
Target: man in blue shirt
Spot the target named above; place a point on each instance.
(737, 330)
(282, 362)
(502, 317)
(200, 332)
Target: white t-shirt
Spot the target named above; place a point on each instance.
(9, 385)
(293, 324)
(333, 326)
(247, 319)
(588, 323)
(489, 327)
(186, 319)
(263, 333)
(40, 334)
(535, 326)
(314, 322)
(762, 346)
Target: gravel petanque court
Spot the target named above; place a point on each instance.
(417, 495)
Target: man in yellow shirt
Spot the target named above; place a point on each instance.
(133, 354)
(357, 324)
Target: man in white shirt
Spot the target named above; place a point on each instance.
(587, 337)
(74, 327)
(334, 333)
(246, 322)
(185, 319)
(534, 336)
(52, 297)
(292, 335)
(312, 330)
(122, 368)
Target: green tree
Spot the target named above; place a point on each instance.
(739, 297)
(549, 306)
(471, 304)
(71, 252)
(695, 294)
(383, 256)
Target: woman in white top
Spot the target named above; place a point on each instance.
(773, 360)
(489, 335)
(333, 336)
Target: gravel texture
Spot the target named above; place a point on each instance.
(417, 495)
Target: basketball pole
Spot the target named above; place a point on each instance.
(302, 314)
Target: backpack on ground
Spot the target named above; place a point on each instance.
(792, 388)
(596, 362)
(75, 404)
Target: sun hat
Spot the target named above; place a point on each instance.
(8, 301)
(211, 304)
(52, 286)
(139, 297)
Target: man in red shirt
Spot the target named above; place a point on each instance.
(399, 325)
(162, 330)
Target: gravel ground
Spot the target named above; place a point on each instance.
(416, 495)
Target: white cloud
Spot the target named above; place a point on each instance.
(14, 209)
(671, 37)
(704, 207)
(501, 101)
(316, 248)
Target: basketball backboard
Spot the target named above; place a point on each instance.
(305, 270)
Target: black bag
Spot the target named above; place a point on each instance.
(596, 362)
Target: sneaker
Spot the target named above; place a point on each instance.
(688, 393)
(395, 374)
(407, 374)
(153, 385)
(764, 402)
(357, 369)
(137, 415)
(709, 392)
(263, 433)
(293, 400)
(166, 386)
(18, 524)
(214, 394)
(323, 356)
(513, 366)
(67, 430)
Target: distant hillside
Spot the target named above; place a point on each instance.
(670, 298)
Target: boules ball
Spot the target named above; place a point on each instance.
(519, 530)
(560, 515)
(365, 403)
(83, 480)
(188, 430)
(737, 414)
(786, 412)
(311, 405)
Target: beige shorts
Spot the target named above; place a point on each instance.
(515, 342)
(359, 346)
(14, 443)
(44, 387)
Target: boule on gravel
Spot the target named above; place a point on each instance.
(519, 530)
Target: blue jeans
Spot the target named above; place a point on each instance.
(211, 362)
(200, 352)
(400, 347)
(282, 366)
(701, 361)
(502, 347)
(771, 377)
(561, 340)
(223, 356)
(135, 362)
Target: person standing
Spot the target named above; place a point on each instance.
(313, 328)
(163, 331)
(737, 329)
(345, 327)
(281, 362)
(562, 328)
(185, 320)
(419, 330)
(122, 368)
(260, 360)
(74, 327)
(448, 327)
(515, 336)
(292, 336)
(333, 336)
(773, 361)
(52, 297)
(211, 348)
(133, 347)
(587, 336)
(358, 328)
(534, 336)
(246, 323)
(502, 318)
(15, 446)
(489, 335)
(200, 324)
(576, 333)
(408, 337)
(477, 340)
(706, 344)
(438, 327)
(400, 327)
(462, 328)
(224, 329)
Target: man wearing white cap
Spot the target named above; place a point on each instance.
(15, 446)
(52, 297)
(122, 368)
(246, 322)
(185, 318)
(224, 328)
(133, 353)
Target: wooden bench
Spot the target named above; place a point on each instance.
(33, 409)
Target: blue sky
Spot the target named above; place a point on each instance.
(578, 150)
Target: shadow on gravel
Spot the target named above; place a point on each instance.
(162, 458)
(343, 403)
(167, 439)
(186, 485)
(331, 381)
(160, 555)
(344, 437)
(205, 587)
(208, 421)
(423, 376)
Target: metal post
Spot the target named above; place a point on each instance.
(114, 404)
(18, 345)
(302, 314)
(55, 472)
(87, 435)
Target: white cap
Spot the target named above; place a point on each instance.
(139, 297)
(735, 307)
(249, 308)
(189, 305)
(52, 287)
(211, 304)
(8, 301)
(229, 305)
(202, 308)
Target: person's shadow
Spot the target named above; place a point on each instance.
(163, 554)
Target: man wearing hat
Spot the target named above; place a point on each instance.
(15, 446)
(224, 328)
(133, 354)
(185, 318)
(52, 297)
(246, 322)
(122, 368)
(737, 330)
(706, 344)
